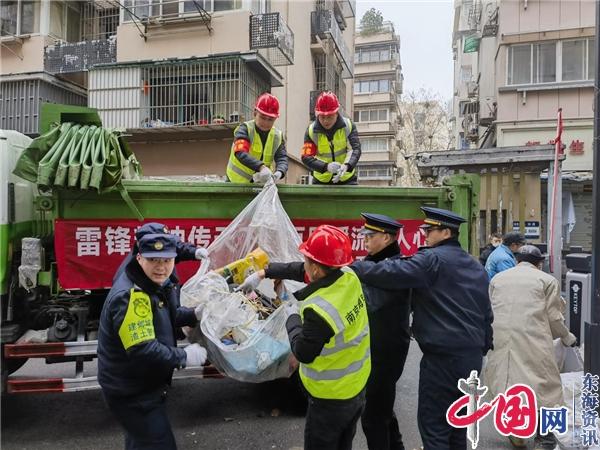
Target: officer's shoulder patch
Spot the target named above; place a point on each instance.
(137, 326)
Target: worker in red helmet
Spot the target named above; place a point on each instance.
(331, 146)
(257, 144)
(329, 337)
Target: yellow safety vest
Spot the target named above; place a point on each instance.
(239, 173)
(341, 370)
(336, 150)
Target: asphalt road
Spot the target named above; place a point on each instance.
(217, 414)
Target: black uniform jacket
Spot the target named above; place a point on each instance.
(149, 364)
(307, 338)
(451, 305)
(389, 314)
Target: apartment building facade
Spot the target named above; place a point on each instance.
(180, 75)
(516, 64)
(377, 90)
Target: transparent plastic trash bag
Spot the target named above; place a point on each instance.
(255, 350)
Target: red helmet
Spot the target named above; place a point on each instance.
(329, 246)
(327, 103)
(268, 105)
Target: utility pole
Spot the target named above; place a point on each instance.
(592, 330)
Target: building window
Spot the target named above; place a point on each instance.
(375, 172)
(578, 60)
(65, 21)
(549, 62)
(371, 115)
(371, 55)
(374, 145)
(372, 86)
(175, 8)
(19, 17)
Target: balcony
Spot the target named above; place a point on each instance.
(384, 128)
(21, 98)
(325, 27)
(271, 36)
(69, 57)
(368, 98)
(372, 34)
(96, 42)
(377, 171)
(182, 97)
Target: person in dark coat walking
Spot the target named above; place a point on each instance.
(137, 346)
(388, 312)
(452, 319)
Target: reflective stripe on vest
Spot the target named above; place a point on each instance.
(239, 173)
(334, 374)
(324, 149)
(342, 368)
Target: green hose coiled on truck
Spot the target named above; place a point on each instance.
(78, 157)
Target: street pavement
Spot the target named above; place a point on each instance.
(220, 414)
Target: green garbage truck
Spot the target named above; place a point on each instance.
(59, 248)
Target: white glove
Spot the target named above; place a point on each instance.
(277, 175)
(333, 167)
(263, 175)
(569, 340)
(201, 253)
(196, 355)
(250, 283)
(340, 174)
(198, 311)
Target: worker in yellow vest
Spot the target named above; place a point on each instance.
(331, 146)
(330, 337)
(257, 144)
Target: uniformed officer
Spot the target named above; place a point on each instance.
(257, 144)
(331, 146)
(451, 322)
(137, 348)
(330, 336)
(185, 250)
(388, 310)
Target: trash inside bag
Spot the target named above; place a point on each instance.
(245, 335)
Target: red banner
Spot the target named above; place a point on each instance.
(88, 252)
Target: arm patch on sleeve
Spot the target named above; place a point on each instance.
(241, 145)
(309, 149)
(137, 326)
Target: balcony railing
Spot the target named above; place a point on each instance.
(385, 27)
(271, 36)
(197, 94)
(324, 25)
(21, 98)
(67, 57)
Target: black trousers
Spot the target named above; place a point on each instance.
(145, 420)
(331, 424)
(379, 421)
(438, 389)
